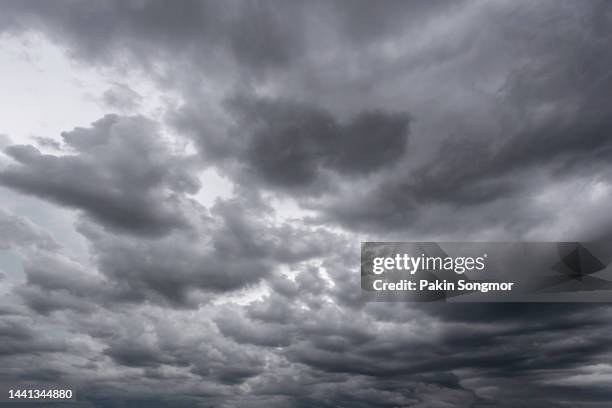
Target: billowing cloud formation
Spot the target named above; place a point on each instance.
(331, 122)
(229, 251)
(290, 146)
(122, 175)
(233, 249)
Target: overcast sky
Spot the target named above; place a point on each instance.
(184, 186)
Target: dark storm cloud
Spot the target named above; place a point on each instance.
(235, 251)
(256, 35)
(376, 47)
(137, 354)
(506, 100)
(244, 331)
(122, 175)
(19, 337)
(560, 102)
(55, 283)
(213, 359)
(550, 117)
(125, 179)
(172, 268)
(494, 348)
(290, 145)
(364, 20)
(259, 35)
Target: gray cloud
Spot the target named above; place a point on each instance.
(18, 337)
(121, 97)
(248, 37)
(16, 231)
(241, 304)
(122, 175)
(291, 146)
(309, 342)
(233, 249)
(546, 121)
(260, 35)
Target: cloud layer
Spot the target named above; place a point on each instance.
(331, 123)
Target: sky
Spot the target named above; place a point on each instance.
(184, 187)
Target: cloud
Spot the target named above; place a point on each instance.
(256, 35)
(18, 337)
(291, 146)
(251, 38)
(55, 282)
(254, 303)
(234, 249)
(122, 175)
(306, 341)
(534, 122)
(16, 231)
